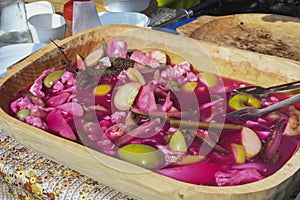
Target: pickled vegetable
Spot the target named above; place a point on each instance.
(126, 94)
(209, 79)
(251, 142)
(190, 159)
(167, 117)
(53, 77)
(93, 58)
(102, 89)
(240, 101)
(239, 153)
(135, 75)
(293, 126)
(142, 155)
(190, 86)
(23, 113)
(177, 142)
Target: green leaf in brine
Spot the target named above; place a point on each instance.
(121, 63)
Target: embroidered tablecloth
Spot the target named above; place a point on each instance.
(26, 175)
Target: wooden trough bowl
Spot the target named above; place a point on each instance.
(269, 34)
(141, 183)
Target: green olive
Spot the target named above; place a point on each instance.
(240, 101)
(53, 77)
(143, 155)
(23, 113)
(177, 142)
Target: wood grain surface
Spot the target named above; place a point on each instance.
(269, 34)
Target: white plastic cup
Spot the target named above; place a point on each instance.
(126, 5)
(47, 26)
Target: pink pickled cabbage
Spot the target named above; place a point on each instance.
(117, 48)
(57, 87)
(21, 103)
(146, 99)
(118, 117)
(36, 121)
(141, 58)
(237, 177)
(36, 88)
(181, 73)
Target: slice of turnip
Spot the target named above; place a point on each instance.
(251, 142)
(125, 95)
(93, 58)
(135, 75)
(58, 99)
(72, 108)
(57, 122)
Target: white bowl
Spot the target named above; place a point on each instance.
(131, 18)
(126, 5)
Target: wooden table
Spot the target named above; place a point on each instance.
(59, 5)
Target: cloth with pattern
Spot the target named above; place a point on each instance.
(26, 175)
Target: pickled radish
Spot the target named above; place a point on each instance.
(79, 62)
(125, 95)
(58, 123)
(251, 142)
(72, 108)
(239, 153)
(58, 99)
